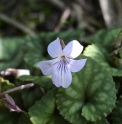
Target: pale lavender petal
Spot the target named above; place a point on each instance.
(73, 49)
(61, 75)
(55, 49)
(47, 66)
(76, 65)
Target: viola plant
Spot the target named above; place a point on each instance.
(87, 90)
(63, 64)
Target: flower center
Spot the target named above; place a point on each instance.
(63, 57)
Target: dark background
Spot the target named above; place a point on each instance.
(21, 17)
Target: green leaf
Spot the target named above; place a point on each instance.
(44, 111)
(42, 81)
(5, 85)
(45, 82)
(31, 95)
(24, 119)
(100, 55)
(117, 112)
(26, 78)
(10, 52)
(91, 95)
(103, 121)
(106, 38)
(7, 117)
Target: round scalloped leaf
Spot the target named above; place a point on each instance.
(106, 37)
(117, 112)
(91, 95)
(44, 111)
(100, 55)
(103, 121)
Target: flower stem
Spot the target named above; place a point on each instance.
(17, 88)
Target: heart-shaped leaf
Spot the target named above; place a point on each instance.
(91, 96)
(44, 111)
(104, 58)
(117, 112)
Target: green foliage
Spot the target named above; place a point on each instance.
(7, 117)
(117, 112)
(43, 81)
(5, 85)
(10, 52)
(31, 95)
(106, 38)
(47, 110)
(103, 121)
(91, 95)
(24, 119)
(100, 54)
